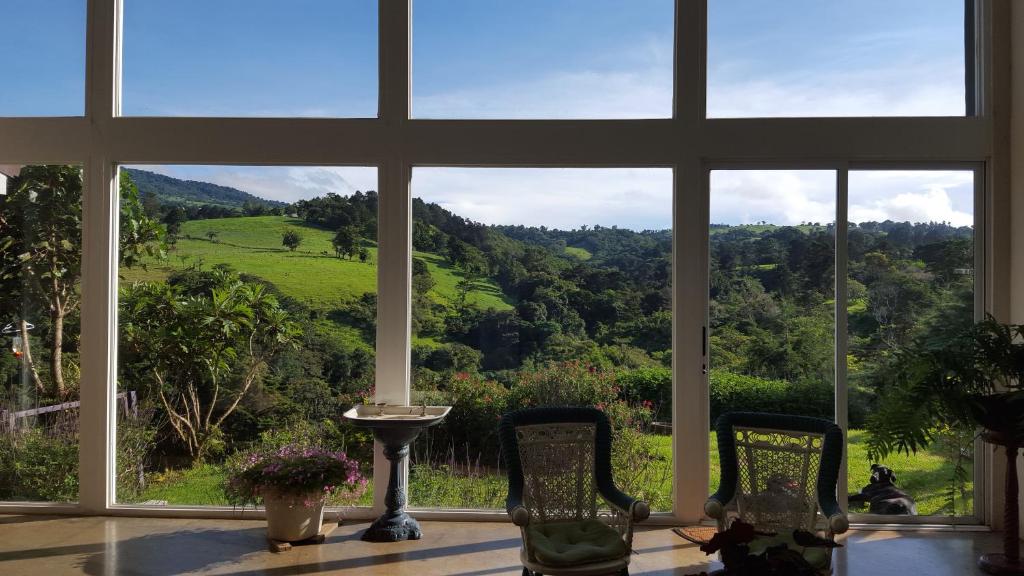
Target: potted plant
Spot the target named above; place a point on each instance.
(973, 376)
(294, 484)
(734, 549)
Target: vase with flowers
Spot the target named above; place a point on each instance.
(294, 484)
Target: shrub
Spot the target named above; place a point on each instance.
(563, 384)
(731, 392)
(38, 464)
(651, 384)
(472, 425)
(135, 438)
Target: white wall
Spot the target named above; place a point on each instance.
(1017, 183)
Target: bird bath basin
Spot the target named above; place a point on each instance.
(395, 427)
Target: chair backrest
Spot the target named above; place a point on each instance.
(554, 456)
(776, 464)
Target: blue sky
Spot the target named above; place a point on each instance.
(496, 59)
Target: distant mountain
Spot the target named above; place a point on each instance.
(190, 192)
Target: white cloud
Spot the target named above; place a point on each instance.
(564, 198)
(776, 196)
(794, 196)
(914, 196)
(282, 183)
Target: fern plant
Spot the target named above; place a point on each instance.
(957, 381)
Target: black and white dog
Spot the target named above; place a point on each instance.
(882, 495)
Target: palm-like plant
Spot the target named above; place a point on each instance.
(972, 377)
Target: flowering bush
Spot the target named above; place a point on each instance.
(301, 472)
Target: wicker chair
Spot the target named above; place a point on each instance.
(778, 472)
(561, 495)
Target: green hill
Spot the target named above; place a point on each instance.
(311, 274)
(190, 192)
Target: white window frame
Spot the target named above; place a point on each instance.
(394, 143)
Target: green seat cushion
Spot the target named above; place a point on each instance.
(574, 543)
(816, 557)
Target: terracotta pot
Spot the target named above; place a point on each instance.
(294, 518)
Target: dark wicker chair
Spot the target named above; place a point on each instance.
(561, 494)
(778, 473)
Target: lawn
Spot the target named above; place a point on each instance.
(925, 476)
(311, 274)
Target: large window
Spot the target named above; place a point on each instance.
(538, 59)
(536, 287)
(40, 304)
(772, 293)
(911, 276)
(813, 58)
(910, 262)
(555, 200)
(247, 311)
(308, 58)
(42, 56)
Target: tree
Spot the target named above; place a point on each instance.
(204, 339)
(291, 239)
(346, 242)
(173, 219)
(213, 236)
(40, 264)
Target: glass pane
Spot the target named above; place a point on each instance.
(772, 320)
(541, 59)
(535, 287)
(40, 279)
(308, 58)
(911, 273)
(42, 56)
(814, 58)
(245, 323)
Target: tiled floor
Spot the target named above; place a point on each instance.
(157, 547)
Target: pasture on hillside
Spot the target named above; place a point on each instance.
(311, 274)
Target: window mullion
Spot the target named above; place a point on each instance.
(99, 265)
(394, 213)
(840, 322)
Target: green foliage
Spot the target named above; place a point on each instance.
(970, 377)
(140, 235)
(38, 464)
(651, 384)
(135, 438)
(200, 342)
(738, 393)
(291, 239)
(346, 242)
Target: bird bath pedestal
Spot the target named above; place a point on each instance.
(395, 427)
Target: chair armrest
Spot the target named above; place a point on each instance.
(520, 516)
(838, 523)
(636, 510)
(837, 520)
(714, 508)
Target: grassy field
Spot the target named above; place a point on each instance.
(578, 253)
(926, 476)
(311, 274)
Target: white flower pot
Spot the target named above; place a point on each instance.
(294, 518)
